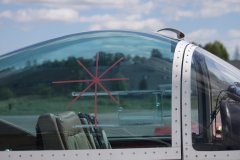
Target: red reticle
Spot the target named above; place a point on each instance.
(96, 80)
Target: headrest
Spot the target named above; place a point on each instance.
(68, 123)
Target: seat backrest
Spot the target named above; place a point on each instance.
(230, 111)
(61, 131)
(48, 136)
(71, 131)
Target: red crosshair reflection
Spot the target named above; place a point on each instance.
(96, 81)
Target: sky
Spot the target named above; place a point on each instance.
(26, 22)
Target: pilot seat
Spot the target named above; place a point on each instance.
(69, 131)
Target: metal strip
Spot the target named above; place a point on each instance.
(176, 93)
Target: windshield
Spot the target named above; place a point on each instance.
(213, 103)
(117, 81)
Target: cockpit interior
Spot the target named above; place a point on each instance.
(114, 90)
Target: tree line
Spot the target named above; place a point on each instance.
(38, 78)
(217, 48)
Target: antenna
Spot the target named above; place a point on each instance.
(180, 35)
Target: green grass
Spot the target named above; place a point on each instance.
(194, 102)
(38, 105)
(35, 105)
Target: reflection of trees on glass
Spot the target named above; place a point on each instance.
(23, 88)
(156, 53)
(6, 93)
(44, 90)
(143, 84)
(138, 59)
(36, 78)
(105, 59)
(120, 85)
